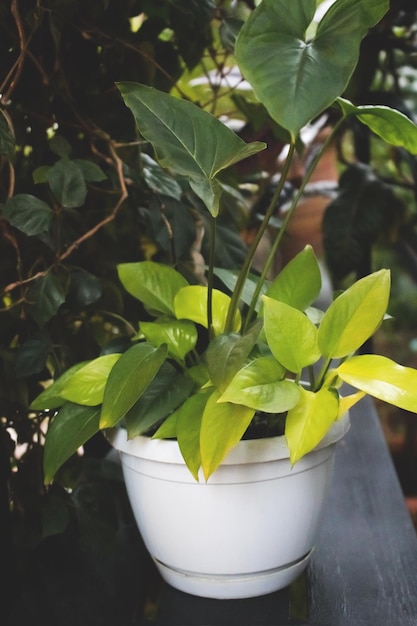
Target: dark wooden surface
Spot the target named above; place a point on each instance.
(363, 571)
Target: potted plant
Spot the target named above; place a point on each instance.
(229, 394)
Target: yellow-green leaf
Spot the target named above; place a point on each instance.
(354, 316)
(191, 303)
(291, 336)
(382, 378)
(308, 422)
(86, 386)
(222, 426)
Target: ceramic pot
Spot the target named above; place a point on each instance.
(248, 531)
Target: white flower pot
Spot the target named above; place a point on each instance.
(248, 531)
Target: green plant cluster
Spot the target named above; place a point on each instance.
(253, 359)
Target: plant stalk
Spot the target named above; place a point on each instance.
(245, 269)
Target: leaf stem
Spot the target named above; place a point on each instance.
(210, 275)
(243, 274)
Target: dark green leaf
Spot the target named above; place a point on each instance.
(45, 296)
(296, 78)
(31, 357)
(67, 183)
(158, 180)
(85, 287)
(29, 214)
(166, 392)
(91, 171)
(69, 429)
(129, 378)
(187, 138)
(60, 146)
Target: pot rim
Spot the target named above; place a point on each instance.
(246, 450)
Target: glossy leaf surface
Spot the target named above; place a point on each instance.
(153, 284)
(69, 429)
(86, 386)
(164, 394)
(299, 282)
(222, 426)
(51, 397)
(259, 385)
(291, 336)
(129, 378)
(308, 422)
(191, 303)
(295, 78)
(391, 125)
(189, 417)
(180, 336)
(382, 378)
(355, 315)
(227, 354)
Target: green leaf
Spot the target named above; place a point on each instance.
(127, 381)
(308, 422)
(296, 79)
(86, 385)
(229, 279)
(165, 393)
(69, 429)
(191, 303)
(222, 427)
(391, 125)
(382, 378)
(259, 385)
(51, 397)
(186, 138)
(189, 417)
(91, 171)
(67, 183)
(28, 214)
(85, 287)
(299, 282)
(45, 296)
(31, 357)
(226, 354)
(354, 316)
(291, 336)
(179, 335)
(158, 179)
(154, 284)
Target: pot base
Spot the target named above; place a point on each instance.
(228, 587)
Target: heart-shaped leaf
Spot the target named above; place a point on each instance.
(295, 78)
